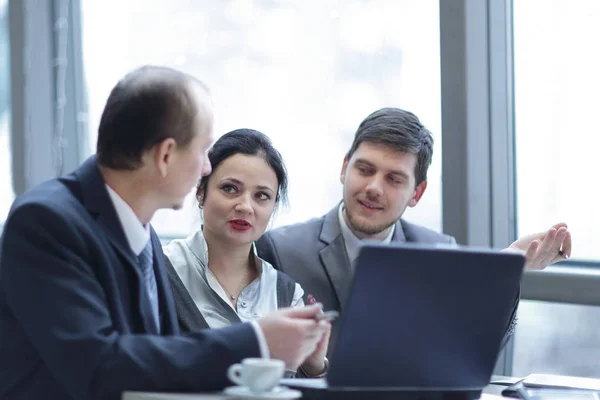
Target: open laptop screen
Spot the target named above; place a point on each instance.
(425, 317)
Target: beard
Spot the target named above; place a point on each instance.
(367, 228)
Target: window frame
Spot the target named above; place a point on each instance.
(478, 151)
(48, 102)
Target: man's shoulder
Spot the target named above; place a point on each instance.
(54, 196)
(420, 234)
(292, 245)
(298, 231)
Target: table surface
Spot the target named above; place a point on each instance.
(489, 393)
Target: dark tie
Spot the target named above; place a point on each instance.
(145, 260)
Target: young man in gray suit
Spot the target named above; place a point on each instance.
(384, 172)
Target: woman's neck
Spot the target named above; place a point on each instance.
(227, 260)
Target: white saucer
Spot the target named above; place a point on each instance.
(279, 392)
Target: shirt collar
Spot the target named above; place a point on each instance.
(196, 243)
(137, 235)
(352, 242)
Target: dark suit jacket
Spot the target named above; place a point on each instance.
(314, 254)
(73, 321)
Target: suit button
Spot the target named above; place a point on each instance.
(243, 304)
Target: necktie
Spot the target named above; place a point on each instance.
(145, 260)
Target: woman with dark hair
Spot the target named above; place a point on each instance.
(216, 275)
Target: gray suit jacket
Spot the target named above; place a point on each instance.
(314, 254)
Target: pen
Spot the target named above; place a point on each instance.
(327, 316)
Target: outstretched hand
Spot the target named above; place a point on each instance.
(544, 248)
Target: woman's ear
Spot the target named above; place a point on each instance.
(200, 197)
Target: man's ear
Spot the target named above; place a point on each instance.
(164, 154)
(418, 193)
(343, 172)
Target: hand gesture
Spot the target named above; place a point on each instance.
(544, 248)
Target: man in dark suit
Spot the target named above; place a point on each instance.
(86, 310)
(384, 172)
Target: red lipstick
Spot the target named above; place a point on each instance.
(240, 224)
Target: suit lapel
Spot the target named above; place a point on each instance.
(334, 256)
(399, 234)
(166, 305)
(98, 203)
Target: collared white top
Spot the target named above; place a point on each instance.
(190, 260)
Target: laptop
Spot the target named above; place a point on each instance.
(422, 319)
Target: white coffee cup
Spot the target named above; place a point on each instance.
(259, 374)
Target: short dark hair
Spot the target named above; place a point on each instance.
(249, 142)
(401, 131)
(147, 106)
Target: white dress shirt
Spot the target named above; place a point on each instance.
(352, 242)
(137, 236)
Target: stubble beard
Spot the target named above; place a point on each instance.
(366, 229)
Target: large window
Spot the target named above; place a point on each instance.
(556, 109)
(6, 188)
(303, 72)
(557, 143)
(554, 338)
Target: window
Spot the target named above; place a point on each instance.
(556, 104)
(556, 107)
(6, 187)
(304, 73)
(554, 338)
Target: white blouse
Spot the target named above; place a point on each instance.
(190, 259)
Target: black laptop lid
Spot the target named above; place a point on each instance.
(425, 317)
